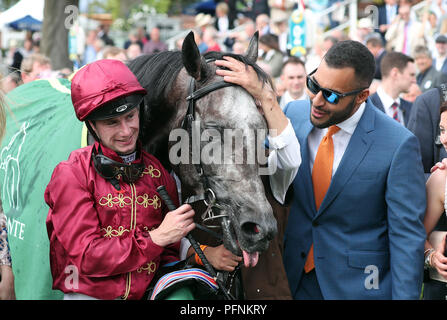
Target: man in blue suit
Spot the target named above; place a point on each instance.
(398, 74)
(366, 240)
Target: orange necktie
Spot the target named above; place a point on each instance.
(321, 179)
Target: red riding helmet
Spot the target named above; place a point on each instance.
(105, 89)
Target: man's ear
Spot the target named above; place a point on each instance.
(362, 96)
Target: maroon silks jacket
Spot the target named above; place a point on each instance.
(99, 240)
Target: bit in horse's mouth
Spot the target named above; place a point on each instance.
(232, 244)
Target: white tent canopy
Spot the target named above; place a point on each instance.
(33, 8)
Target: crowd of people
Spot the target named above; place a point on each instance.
(368, 112)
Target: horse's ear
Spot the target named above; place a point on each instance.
(252, 51)
(191, 56)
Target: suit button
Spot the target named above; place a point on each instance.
(303, 254)
(315, 223)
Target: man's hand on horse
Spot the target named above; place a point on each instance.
(263, 93)
(439, 165)
(176, 225)
(246, 77)
(221, 258)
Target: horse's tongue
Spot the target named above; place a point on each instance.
(250, 259)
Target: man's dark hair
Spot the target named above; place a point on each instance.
(352, 54)
(394, 60)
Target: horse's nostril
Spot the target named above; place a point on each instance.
(250, 228)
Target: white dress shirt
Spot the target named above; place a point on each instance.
(387, 102)
(341, 138)
(285, 157)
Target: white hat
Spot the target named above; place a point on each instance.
(365, 23)
(203, 19)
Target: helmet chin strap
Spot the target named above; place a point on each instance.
(91, 130)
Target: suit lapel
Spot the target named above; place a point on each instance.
(357, 148)
(375, 99)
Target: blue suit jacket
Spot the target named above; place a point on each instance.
(371, 215)
(405, 106)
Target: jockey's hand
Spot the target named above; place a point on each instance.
(439, 261)
(439, 165)
(221, 258)
(176, 225)
(7, 283)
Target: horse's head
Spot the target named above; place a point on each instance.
(223, 141)
(214, 136)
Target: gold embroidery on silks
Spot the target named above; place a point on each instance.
(154, 173)
(120, 200)
(145, 201)
(110, 232)
(150, 268)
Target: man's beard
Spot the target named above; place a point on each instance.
(337, 116)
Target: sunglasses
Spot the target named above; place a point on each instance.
(329, 95)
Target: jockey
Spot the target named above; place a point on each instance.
(109, 230)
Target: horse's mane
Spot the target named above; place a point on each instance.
(157, 72)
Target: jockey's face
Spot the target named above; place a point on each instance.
(119, 134)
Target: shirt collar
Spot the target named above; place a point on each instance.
(387, 101)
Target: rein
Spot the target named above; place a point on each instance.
(208, 197)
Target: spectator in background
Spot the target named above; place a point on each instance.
(133, 51)
(270, 53)
(99, 46)
(11, 81)
(440, 62)
(375, 45)
(263, 24)
(103, 34)
(428, 77)
(319, 50)
(398, 74)
(364, 29)
(430, 23)
(240, 47)
(134, 37)
(412, 93)
(387, 14)
(114, 53)
(293, 78)
(90, 52)
(405, 33)
(36, 66)
(259, 7)
(281, 29)
(21, 53)
(154, 44)
(210, 39)
(280, 8)
(222, 23)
